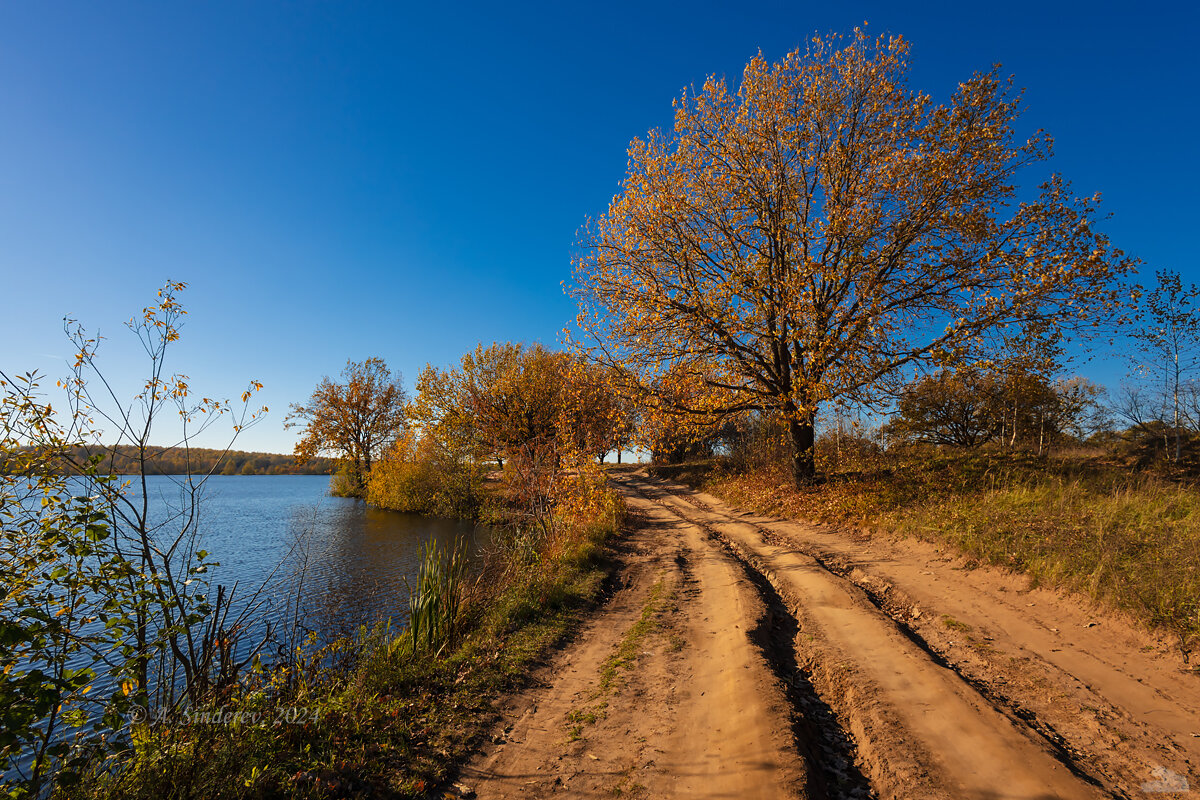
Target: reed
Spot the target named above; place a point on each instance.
(434, 604)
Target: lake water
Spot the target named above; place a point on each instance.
(358, 557)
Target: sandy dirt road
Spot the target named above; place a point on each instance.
(664, 693)
(773, 658)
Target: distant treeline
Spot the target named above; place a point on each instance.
(199, 460)
(123, 460)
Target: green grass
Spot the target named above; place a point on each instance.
(580, 718)
(621, 660)
(631, 644)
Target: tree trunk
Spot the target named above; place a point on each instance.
(804, 467)
(618, 455)
(1175, 398)
(838, 457)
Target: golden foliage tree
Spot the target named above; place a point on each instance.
(354, 420)
(596, 420)
(426, 473)
(502, 397)
(824, 230)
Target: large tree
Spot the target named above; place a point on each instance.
(354, 420)
(824, 231)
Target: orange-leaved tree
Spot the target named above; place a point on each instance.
(824, 231)
(596, 420)
(354, 420)
(504, 397)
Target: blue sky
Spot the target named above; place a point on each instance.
(343, 180)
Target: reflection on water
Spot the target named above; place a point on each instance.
(355, 559)
(362, 560)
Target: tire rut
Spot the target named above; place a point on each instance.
(902, 763)
(658, 695)
(897, 611)
(818, 734)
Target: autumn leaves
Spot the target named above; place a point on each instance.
(824, 232)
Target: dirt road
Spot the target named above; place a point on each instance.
(744, 656)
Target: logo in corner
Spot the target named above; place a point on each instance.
(1165, 781)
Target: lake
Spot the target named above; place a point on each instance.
(358, 557)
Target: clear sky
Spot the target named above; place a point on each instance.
(351, 179)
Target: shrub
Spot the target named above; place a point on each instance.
(420, 475)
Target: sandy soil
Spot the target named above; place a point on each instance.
(781, 659)
(696, 713)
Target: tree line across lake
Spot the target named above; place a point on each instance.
(202, 460)
(124, 460)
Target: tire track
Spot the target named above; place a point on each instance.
(929, 755)
(1072, 759)
(663, 694)
(816, 731)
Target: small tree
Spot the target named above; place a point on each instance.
(1080, 410)
(1169, 339)
(181, 628)
(98, 589)
(956, 408)
(355, 420)
(821, 231)
(971, 406)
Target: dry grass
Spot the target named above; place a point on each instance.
(1128, 540)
